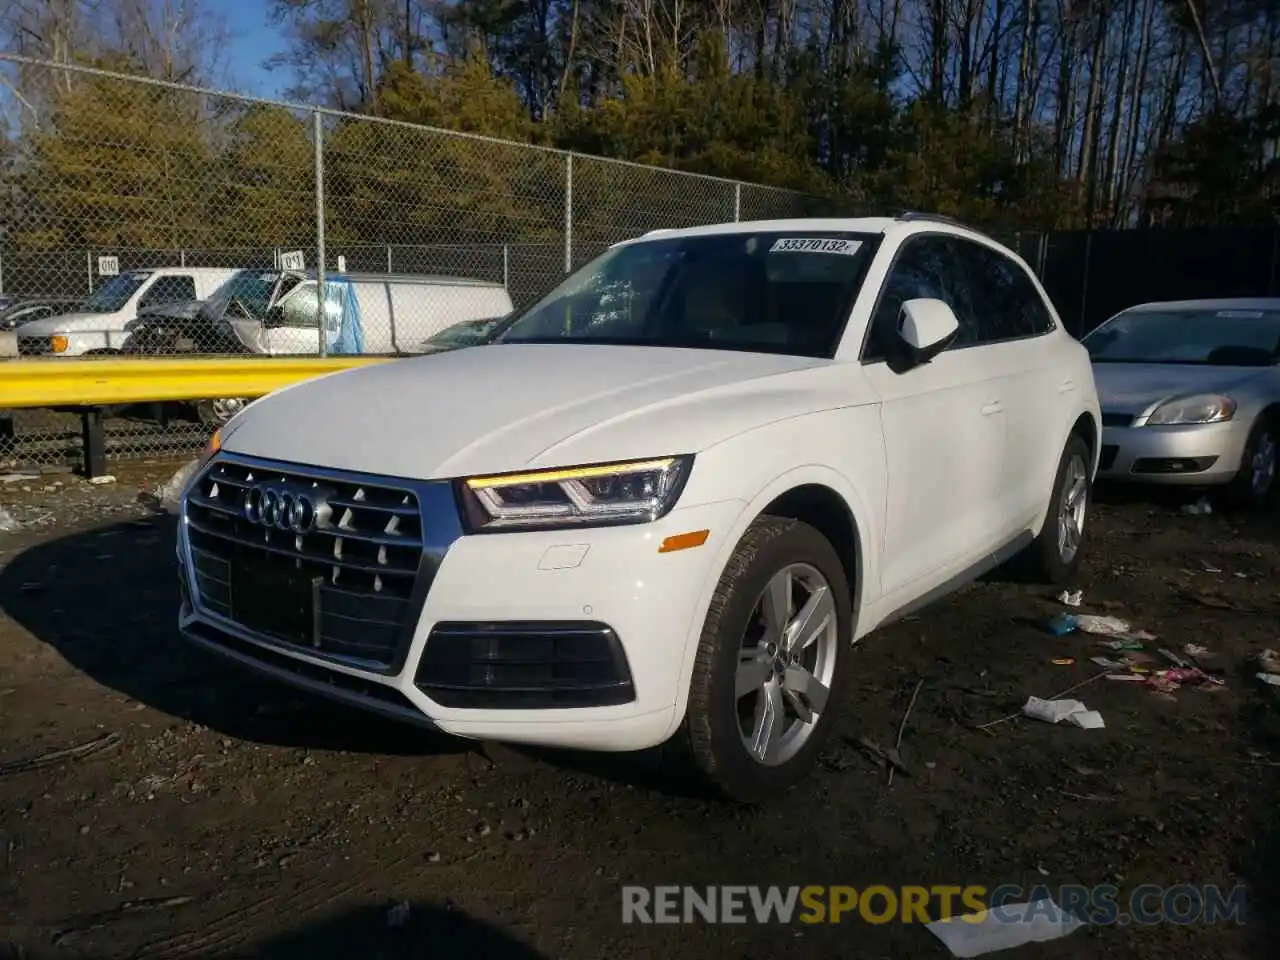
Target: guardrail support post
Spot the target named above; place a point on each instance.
(93, 442)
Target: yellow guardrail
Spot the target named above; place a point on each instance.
(107, 382)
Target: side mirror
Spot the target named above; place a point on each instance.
(927, 327)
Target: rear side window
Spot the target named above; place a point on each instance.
(1006, 304)
(169, 289)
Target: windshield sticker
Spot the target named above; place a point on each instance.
(815, 245)
(269, 277)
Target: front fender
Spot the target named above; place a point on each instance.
(757, 467)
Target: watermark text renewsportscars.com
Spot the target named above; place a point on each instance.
(1101, 905)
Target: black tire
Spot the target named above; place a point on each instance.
(1255, 485)
(1043, 560)
(712, 734)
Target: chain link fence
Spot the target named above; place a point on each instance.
(145, 218)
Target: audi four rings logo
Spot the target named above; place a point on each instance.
(280, 508)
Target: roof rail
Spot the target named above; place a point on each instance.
(910, 216)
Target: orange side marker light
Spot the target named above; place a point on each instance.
(684, 541)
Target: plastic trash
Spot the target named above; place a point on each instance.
(1201, 508)
(1102, 626)
(7, 523)
(1062, 624)
(1055, 711)
(1269, 661)
(103, 479)
(168, 496)
(1072, 598)
(1270, 679)
(1004, 927)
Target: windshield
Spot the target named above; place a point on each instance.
(1224, 338)
(251, 290)
(114, 294)
(466, 333)
(765, 292)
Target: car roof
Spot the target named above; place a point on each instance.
(1218, 303)
(906, 223)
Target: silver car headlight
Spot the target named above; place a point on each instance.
(636, 491)
(1199, 408)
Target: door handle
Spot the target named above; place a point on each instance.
(993, 407)
(1066, 386)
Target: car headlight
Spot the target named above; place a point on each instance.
(637, 491)
(1200, 408)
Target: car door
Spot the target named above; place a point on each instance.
(295, 327)
(1013, 324)
(944, 431)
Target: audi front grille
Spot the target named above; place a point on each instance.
(314, 560)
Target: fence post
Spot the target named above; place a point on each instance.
(182, 258)
(506, 268)
(1275, 260)
(737, 202)
(568, 213)
(88, 266)
(1, 273)
(1084, 284)
(388, 258)
(318, 127)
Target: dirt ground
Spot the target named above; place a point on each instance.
(208, 813)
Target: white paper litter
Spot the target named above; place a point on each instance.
(1055, 711)
(7, 523)
(1270, 679)
(1005, 927)
(1102, 626)
(1088, 720)
(105, 478)
(1071, 598)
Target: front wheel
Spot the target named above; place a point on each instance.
(770, 667)
(1255, 484)
(1055, 555)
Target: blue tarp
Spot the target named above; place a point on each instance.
(349, 337)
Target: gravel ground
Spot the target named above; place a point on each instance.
(155, 802)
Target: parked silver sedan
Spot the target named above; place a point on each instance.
(1190, 394)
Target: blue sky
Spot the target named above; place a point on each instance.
(253, 39)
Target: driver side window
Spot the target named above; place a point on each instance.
(925, 268)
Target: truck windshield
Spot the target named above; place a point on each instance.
(252, 290)
(776, 292)
(114, 294)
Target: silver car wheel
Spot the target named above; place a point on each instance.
(1263, 464)
(786, 664)
(1073, 504)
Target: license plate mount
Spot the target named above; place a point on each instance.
(273, 596)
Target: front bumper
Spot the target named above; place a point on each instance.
(573, 638)
(1191, 455)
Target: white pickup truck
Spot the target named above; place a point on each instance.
(664, 501)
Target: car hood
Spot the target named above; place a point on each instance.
(68, 323)
(178, 310)
(503, 407)
(1134, 388)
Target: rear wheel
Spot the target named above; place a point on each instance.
(1055, 555)
(1255, 484)
(770, 668)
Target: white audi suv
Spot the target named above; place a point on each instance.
(664, 501)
